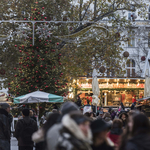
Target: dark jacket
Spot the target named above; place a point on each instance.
(113, 114)
(19, 128)
(139, 142)
(104, 146)
(4, 130)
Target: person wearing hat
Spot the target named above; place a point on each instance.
(100, 141)
(53, 133)
(5, 125)
(76, 133)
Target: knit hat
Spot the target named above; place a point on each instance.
(4, 105)
(99, 126)
(79, 118)
(68, 107)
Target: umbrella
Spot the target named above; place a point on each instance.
(38, 97)
(95, 89)
(147, 87)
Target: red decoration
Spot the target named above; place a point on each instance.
(23, 105)
(20, 51)
(55, 82)
(55, 91)
(25, 18)
(38, 13)
(19, 68)
(45, 44)
(143, 58)
(39, 76)
(42, 58)
(36, 71)
(26, 81)
(17, 86)
(31, 85)
(36, 87)
(20, 57)
(59, 54)
(44, 82)
(8, 83)
(27, 57)
(37, 80)
(30, 45)
(30, 39)
(57, 43)
(33, 77)
(34, 18)
(46, 86)
(36, 47)
(9, 88)
(42, 7)
(45, 17)
(32, 64)
(38, 55)
(7, 99)
(15, 75)
(20, 71)
(15, 68)
(59, 63)
(41, 89)
(29, 91)
(54, 66)
(17, 93)
(35, 9)
(61, 73)
(46, 72)
(41, 65)
(15, 45)
(45, 67)
(66, 83)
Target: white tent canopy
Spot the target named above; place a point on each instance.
(38, 97)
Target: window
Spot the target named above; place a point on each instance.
(130, 68)
(149, 39)
(131, 36)
(149, 13)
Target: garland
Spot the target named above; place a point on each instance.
(110, 89)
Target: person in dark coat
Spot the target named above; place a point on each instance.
(24, 129)
(137, 135)
(116, 131)
(113, 114)
(4, 127)
(133, 106)
(123, 116)
(99, 130)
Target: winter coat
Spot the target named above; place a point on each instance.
(114, 135)
(113, 114)
(103, 146)
(139, 142)
(4, 130)
(71, 136)
(19, 128)
(52, 136)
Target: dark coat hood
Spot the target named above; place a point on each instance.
(3, 112)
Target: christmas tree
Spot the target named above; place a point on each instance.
(39, 66)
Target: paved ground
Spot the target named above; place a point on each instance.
(14, 144)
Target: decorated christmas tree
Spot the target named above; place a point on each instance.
(39, 66)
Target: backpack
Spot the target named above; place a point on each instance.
(27, 131)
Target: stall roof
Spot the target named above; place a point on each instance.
(145, 98)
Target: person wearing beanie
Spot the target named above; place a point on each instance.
(5, 131)
(53, 133)
(99, 130)
(76, 133)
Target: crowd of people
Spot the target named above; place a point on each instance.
(69, 129)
